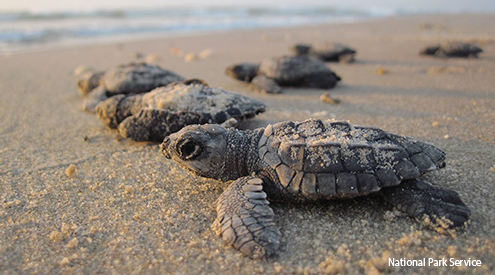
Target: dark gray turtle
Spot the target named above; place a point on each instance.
(132, 78)
(297, 71)
(165, 110)
(452, 49)
(309, 161)
(326, 51)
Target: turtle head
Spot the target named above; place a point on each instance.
(301, 49)
(242, 71)
(198, 148)
(429, 50)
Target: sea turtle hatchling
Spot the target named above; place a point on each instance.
(309, 161)
(326, 51)
(132, 78)
(152, 116)
(296, 71)
(452, 49)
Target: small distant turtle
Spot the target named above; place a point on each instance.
(326, 51)
(452, 49)
(297, 71)
(132, 78)
(152, 116)
(306, 161)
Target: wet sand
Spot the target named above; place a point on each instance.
(125, 209)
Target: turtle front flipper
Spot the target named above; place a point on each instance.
(155, 124)
(418, 198)
(115, 109)
(246, 221)
(264, 84)
(346, 58)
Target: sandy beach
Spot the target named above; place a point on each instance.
(128, 210)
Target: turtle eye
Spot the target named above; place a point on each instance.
(189, 149)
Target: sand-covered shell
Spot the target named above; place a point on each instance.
(137, 78)
(215, 104)
(325, 159)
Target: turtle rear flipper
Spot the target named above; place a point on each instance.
(418, 198)
(264, 84)
(246, 220)
(155, 124)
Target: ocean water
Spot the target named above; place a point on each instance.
(21, 31)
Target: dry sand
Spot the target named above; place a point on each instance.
(125, 209)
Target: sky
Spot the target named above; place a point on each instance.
(75, 5)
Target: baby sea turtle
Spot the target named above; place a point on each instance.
(132, 78)
(326, 51)
(152, 116)
(309, 161)
(452, 49)
(297, 71)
